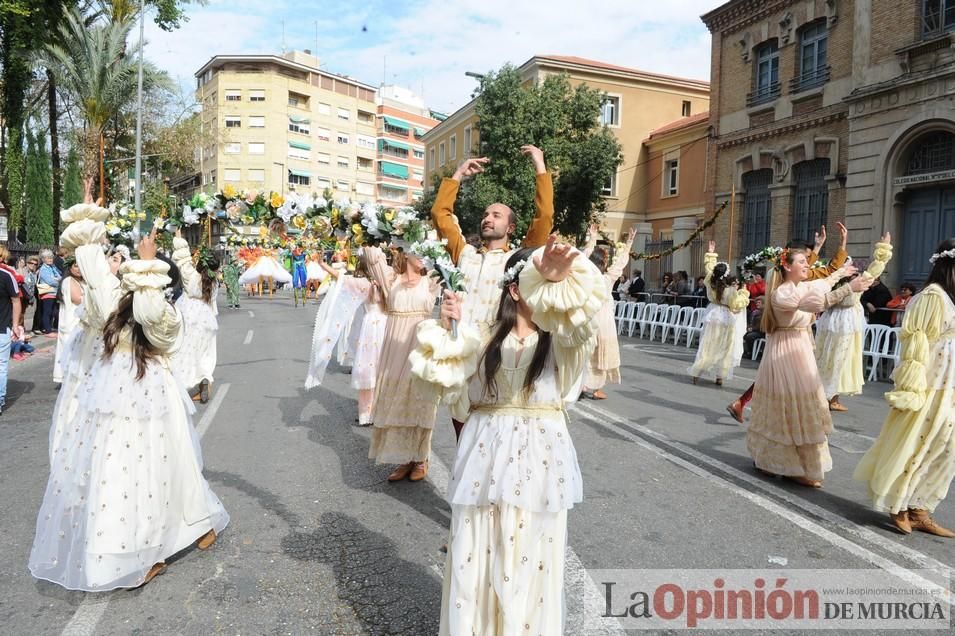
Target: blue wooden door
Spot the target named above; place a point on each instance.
(929, 218)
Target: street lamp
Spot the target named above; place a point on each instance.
(138, 197)
(478, 76)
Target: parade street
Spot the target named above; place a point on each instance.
(319, 542)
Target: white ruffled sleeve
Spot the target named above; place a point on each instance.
(84, 211)
(101, 289)
(446, 363)
(182, 257)
(161, 322)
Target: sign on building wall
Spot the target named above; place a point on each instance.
(930, 177)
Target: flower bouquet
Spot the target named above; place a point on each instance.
(434, 256)
(122, 224)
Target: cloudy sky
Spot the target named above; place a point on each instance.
(427, 45)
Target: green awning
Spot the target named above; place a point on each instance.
(419, 132)
(395, 170)
(397, 123)
(299, 173)
(298, 120)
(394, 144)
(299, 145)
(394, 187)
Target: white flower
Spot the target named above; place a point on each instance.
(210, 205)
(320, 203)
(189, 216)
(511, 274)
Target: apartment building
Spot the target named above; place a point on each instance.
(637, 103)
(285, 125)
(403, 121)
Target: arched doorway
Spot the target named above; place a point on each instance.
(928, 180)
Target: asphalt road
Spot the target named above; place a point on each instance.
(321, 543)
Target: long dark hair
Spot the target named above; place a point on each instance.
(121, 318)
(208, 275)
(943, 271)
(720, 279)
(506, 319)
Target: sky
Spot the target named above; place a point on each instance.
(428, 45)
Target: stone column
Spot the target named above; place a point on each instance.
(683, 227)
(644, 234)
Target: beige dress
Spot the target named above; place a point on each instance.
(604, 367)
(790, 425)
(404, 409)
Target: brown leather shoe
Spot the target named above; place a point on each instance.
(901, 521)
(206, 540)
(922, 520)
(718, 382)
(154, 571)
(736, 410)
(599, 395)
(419, 472)
(204, 391)
(836, 405)
(805, 481)
(401, 472)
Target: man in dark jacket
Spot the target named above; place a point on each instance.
(637, 285)
(875, 299)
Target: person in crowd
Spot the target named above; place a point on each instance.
(754, 330)
(682, 289)
(22, 348)
(909, 468)
(10, 328)
(666, 287)
(756, 288)
(49, 283)
(31, 276)
(874, 300)
(637, 285)
(71, 297)
(700, 293)
(620, 286)
(900, 301)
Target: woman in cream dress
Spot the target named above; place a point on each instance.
(839, 335)
(910, 467)
(724, 323)
(404, 410)
(515, 475)
(789, 429)
(195, 362)
(71, 290)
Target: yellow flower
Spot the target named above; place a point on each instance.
(389, 215)
(229, 191)
(277, 200)
(263, 231)
(299, 222)
(142, 216)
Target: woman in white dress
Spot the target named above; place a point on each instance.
(71, 292)
(126, 489)
(367, 350)
(515, 475)
(195, 362)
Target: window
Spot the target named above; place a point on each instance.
(324, 158)
(671, 178)
(757, 210)
(322, 183)
(364, 163)
(466, 151)
(233, 96)
(431, 164)
(416, 195)
(610, 111)
(364, 141)
(257, 121)
(324, 134)
(343, 162)
(933, 152)
(395, 127)
(343, 139)
(418, 175)
(937, 16)
(344, 114)
(365, 188)
(324, 109)
(766, 80)
(212, 176)
(418, 154)
(231, 174)
(342, 185)
(232, 148)
(812, 198)
(441, 154)
(610, 188)
(256, 148)
(299, 151)
(233, 121)
(298, 100)
(687, 108)
(813, 68)
(298, 178)
(393, 194)
(299, 126)
(257, 176)
(256, 96)
(366, 117)
(453, 147)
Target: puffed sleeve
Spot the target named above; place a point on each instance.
(811, 296)
(84, 211)
(709, 263)
(102, 290)
(921, 325)
(736, 299)
(161, 322)
(881, 255)
(446, 363)
(620, 259)
(377, 266)
(182, 257)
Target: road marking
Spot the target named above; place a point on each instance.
(248, 337)
(93, 607)
(580, 591)
(598, 415)
(251, 314)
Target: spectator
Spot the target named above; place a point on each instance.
(10, 329)
(21, 349)
(637, 285)
(757, 289)
(875, 298)
(906, 291)
(49, 283)
(60, 259)
(30, 280)
(700, 292)
(681, 289)
(620, 287)
(753, 329)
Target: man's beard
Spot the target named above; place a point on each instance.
(490, 234)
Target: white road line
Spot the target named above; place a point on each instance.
(251, 314)
(580, 591)
(93, 607)
(248, 337)
(797, 519)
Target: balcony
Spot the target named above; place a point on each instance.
(763, 94)
(810, 79)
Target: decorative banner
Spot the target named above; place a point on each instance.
(696, 233)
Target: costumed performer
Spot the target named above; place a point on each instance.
(230, 277)
(71, 294)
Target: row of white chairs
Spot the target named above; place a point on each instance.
(653, 318)
(881, 351)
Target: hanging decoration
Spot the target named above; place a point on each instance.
(696, 233)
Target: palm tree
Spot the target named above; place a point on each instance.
(94, 66)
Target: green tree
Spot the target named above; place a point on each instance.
(38, 192)
(563, 121)
(13, 164)
(72, 180)
(170, 14)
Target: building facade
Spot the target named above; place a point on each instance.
(283, 124)
(403, 121)
(637, 103)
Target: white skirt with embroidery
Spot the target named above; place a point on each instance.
(195, 360)
(368, 349)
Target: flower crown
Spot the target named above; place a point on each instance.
(945, 254)
(782, 258)
(204, 260)
(511, 274)
(729, 272)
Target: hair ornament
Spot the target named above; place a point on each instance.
(511, 274)
(946, 254)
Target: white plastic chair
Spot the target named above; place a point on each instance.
(619, 310)
(758, 348)
(662, 318)
(630, 314)
(872, 348)
(696, 328)
(896, 355)
(646, 317)
(671, 321)
(684, 322)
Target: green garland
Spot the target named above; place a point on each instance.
(696, 233)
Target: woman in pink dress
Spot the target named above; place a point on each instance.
(790, 426)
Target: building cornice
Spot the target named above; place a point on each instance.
(454, 120)
(775, 130)
(632, 75)
(218, 60)
(737, 14)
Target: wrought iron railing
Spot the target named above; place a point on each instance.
(810, 79)
(763, 94)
